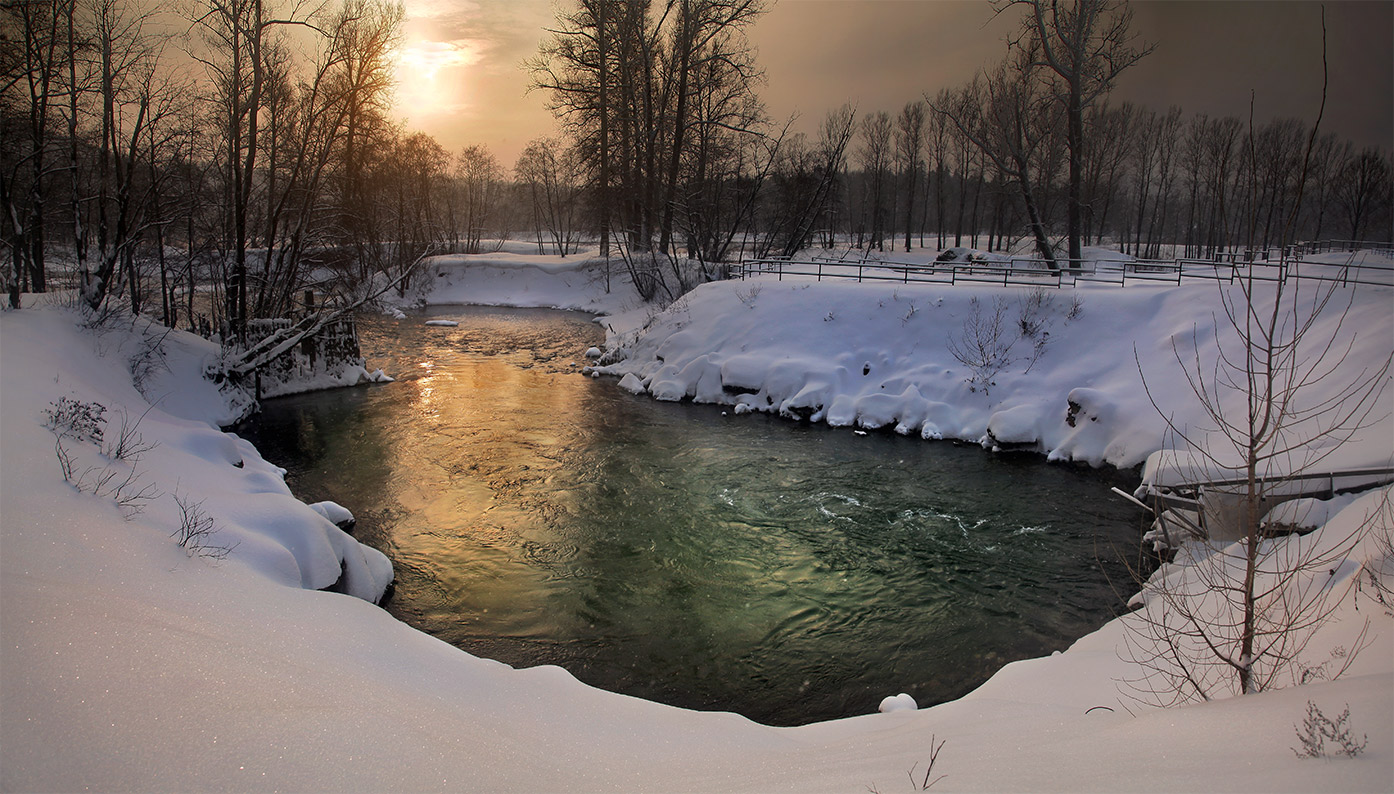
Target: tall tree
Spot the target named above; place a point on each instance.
(651, 97)
(909, 141)
(31, 82)
(1087, 44)
(875, 159)
(1007, 117)
(132, 101)
(479, 175)
(1365, 188)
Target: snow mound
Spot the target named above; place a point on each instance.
(901, 702)
(631, 383)
(337, 514)
(442, 323)
(1306, 513)
(1016, 426)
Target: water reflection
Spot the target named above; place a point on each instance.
(788, 572)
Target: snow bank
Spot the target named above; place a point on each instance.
(514, 277)
(337, 514)
(256, 518)
(883, 356)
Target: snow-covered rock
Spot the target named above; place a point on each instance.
(631, 383)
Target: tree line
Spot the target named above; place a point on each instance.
(1030, 149)
(211, 170)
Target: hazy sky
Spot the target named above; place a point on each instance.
(462, 78)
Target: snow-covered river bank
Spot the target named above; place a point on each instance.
(126, 664)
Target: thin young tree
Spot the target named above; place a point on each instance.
(1282, 393)
(1283, 388)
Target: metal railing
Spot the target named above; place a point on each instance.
(1033, 272)
(1328, 483)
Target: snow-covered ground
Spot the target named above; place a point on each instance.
(125, 663)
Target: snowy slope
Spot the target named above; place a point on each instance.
(126, 664)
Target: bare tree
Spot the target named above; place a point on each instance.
(1112, 136)
(875, 158)
(479, 176)
(1259, 600)
(1087, 44)
(1008, 119)
(133, 101)
(32, 56)
(1365, 187)
(660, 104)
(551, 175)
(909, 140)
(1240, 615)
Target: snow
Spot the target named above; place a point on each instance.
(1306, 513)
(901, 702)
(125, 663)
(351, 375)
(515, 277)
(878, 356)
(337, 514)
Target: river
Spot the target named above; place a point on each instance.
(785, 571)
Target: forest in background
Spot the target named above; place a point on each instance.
(210, 172)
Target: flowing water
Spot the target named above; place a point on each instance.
(785, 571)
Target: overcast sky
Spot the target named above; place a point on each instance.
(462, 78)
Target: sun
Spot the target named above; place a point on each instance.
(430, 76)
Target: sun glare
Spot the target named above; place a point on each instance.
(429, 76)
